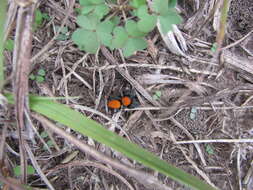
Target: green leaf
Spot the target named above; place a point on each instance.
(78, 37)
(3, 20)
(96, 1)
(101, 10)
(104, 31)
(39, 79)
(78, 10)
(133, 45)
(91, 42)
(172, 3)
(157, 95)
(209, 149)
(50, 143)
(87, 9)
(214, 47)
(168, 20)
(161, 6)
(38, 17)
(132, 29)
(137, 3)
(147, 23)
(17, 171)
(85, 126)
(64, 30)
(86, 40)
(88, 22)
(62, 37)
(115, 20)
(85, 2)
(9, 45)
(120, 37)
(45, 16)
(32, 77)
(44, 134)
(41, 72)
(142, 11)
(30, 170)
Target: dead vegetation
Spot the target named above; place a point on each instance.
(201, 122)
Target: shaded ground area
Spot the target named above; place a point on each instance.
(198, 97)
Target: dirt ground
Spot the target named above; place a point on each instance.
(200, 98)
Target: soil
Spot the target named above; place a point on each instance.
(223, 102)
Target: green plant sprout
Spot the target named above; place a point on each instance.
(9, 45)
(50, 143)
(157, 95)
(209, 149)
(30, 170)
(39, 17)
(39, 77)
(101, 24)
(44, 134)
(64, 33)
(214, 47)
(193, 113)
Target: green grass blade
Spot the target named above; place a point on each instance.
(3, 7)
(76, 121)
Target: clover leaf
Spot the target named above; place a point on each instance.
(133, 30)
(120, 37)
(147, 22)
(133, 45)
(161, 6)
(97, 7)
(167, 15)
(96, 30)
(137, 3)
(104, 30)
(93, 33)
(9, 45)
(130, 39)
(172, 3)
(168, 20)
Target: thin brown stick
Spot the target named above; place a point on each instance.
(238, 41)
(21, 61)
(37, 167)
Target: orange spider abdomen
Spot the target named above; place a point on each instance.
(126, 101)
(114, 104)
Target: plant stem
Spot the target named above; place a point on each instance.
(2, 22)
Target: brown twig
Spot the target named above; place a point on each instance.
(238, 41)
(21, 61)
